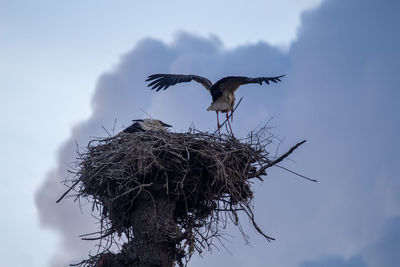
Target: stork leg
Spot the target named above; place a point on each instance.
(219, 132)
(232, 115)
(230, 128)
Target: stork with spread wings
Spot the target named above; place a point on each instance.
(222, 92)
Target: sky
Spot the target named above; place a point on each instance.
(67, 69)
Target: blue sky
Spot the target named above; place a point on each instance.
(68, 68)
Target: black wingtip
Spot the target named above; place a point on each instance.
(165, 125)
(150, 78)
(154, 76)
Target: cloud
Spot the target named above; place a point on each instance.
(340, 92)
(342, 98)
(335, 262)
(384, 252)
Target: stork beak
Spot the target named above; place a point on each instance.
(138, 120)
(166, 125)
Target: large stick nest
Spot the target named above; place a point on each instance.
(208, 177)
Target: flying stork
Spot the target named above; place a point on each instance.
(146, 125)
(222, 92)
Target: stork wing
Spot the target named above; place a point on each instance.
(264, 79)
(232, 83)
(163, 81)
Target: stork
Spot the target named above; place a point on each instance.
(222, 92)
(146, 125)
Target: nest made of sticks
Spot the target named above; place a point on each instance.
(207, 176)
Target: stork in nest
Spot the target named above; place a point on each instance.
(222, 92)
(146, 125)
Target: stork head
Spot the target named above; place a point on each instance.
(153, 125)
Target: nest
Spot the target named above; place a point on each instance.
(202, 181)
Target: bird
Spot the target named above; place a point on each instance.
(144, 125)
(222, 92)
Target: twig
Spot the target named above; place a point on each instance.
(109, 135)
(72, 187)
(115, 123)
(240, 100)
(250, 214)
(76, 182)
(271, 163)
(298, 174)
(99, 237)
